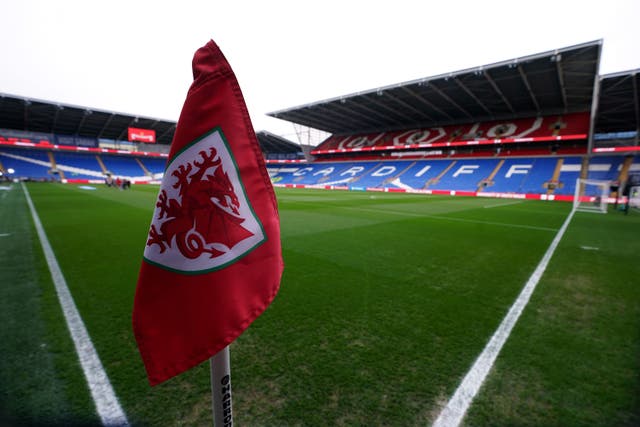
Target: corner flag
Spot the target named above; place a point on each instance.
(212, 260)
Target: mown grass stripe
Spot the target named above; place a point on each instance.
(499, 205)
(457, 407)
(107, 405)
(449, 218)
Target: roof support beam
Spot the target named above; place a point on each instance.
(25, 116)
(498, 91)
(409, 107)
(636, 103)
(523, 76)
(55, 118)
(621, 81)
(277, 144)
(352, 112)
(594, 107)
(563, 90)
(86, 114)
(169, 129)
(126, 129)
(425, 102)
(106, 125)
(449, 100)
(577, 74)
(336, 120)
(583, 63)
(472, 95)
(319, 119)
(397, 113)
(285, 146)
(384, 117)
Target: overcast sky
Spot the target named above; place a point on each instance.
(135, 56)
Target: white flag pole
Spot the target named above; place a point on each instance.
(221, 389)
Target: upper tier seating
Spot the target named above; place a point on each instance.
(551, 128)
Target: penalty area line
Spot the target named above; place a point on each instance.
(447, 218)
(499, 205)
(107, 405)
(457, 407)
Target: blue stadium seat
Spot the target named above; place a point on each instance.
(605, 168)
(122, 166)
(418, 175)
(155, 165)
(78, 165)
(569, 173)
(381, 175)
(466, 175)
(34, 164)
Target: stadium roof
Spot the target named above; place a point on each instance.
(34, 115)
(553, 82)
(271, 143)
(619, 103)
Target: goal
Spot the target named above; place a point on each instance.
(591, 195)
(634, 196)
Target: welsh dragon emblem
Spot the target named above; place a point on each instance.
(201, 215)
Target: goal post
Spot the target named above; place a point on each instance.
(591, 195)
(634, 196)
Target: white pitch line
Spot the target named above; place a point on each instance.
(457, 407)
(497, 205)
(448, 218)
(104, 397)
(5, 190)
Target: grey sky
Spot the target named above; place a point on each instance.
(135, 56)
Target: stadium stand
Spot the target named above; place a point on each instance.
(539, 176)
(465, 175)
(535, 129)
(123, 166)
(275, 147)
(78, 165)
(155, 166)
(27, 164)
(524, 126)
(605, 168)
(420, 174)
(523, 175)
(382, 174)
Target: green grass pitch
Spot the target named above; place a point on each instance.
(386, 301)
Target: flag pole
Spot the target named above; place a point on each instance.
(221, 389)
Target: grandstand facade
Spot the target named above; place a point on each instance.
(526, 127)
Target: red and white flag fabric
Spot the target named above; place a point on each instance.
(212, 260)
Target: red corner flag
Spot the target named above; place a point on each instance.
(212, 261)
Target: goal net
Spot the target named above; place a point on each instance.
(591, 195)
(634, 196)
